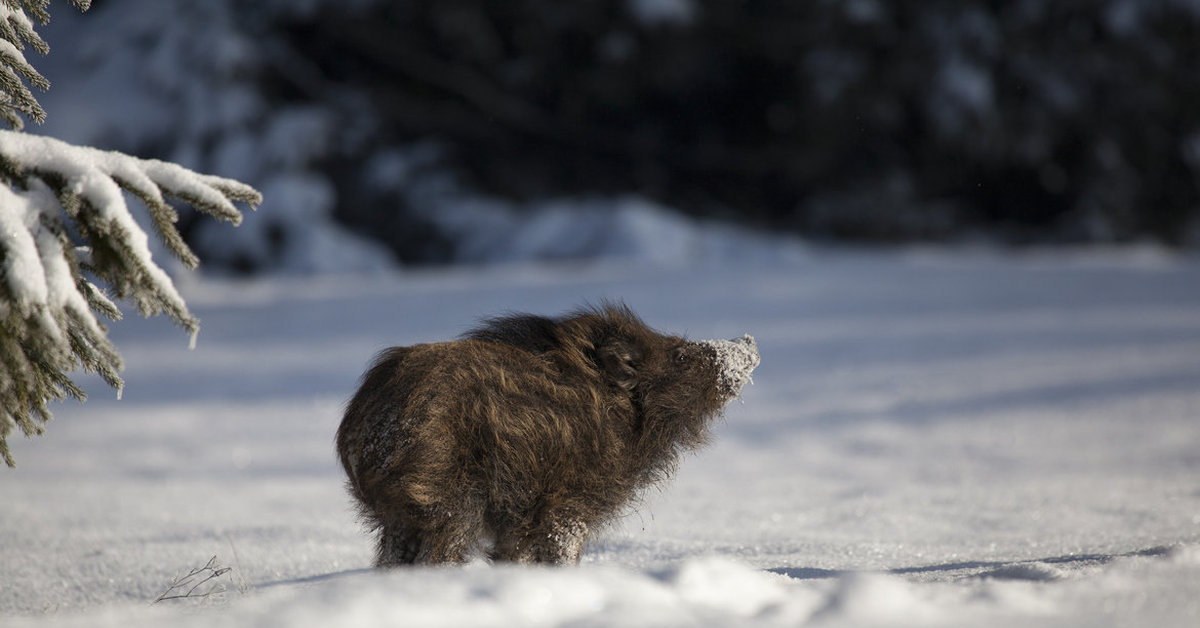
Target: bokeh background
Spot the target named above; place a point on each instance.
(419, 132)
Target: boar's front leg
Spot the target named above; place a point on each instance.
(556, 541)
(564, 543)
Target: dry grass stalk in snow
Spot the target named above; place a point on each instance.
(192, 584)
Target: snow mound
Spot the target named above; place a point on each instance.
(663, 12)
(703, 591)
(872, 598)
(293, 232)
(720, 586)
(629, 229)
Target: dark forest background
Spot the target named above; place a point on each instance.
(1005, 121)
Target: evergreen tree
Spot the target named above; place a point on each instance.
(64, 228)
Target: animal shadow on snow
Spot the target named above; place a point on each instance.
(1039, 569)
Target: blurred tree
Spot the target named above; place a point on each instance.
(1020, 121)
(56, 194)
(1028, 121)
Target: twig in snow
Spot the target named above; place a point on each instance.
(188, 585)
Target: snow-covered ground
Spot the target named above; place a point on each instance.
(933, 437)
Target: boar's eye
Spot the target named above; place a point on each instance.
(680, 355)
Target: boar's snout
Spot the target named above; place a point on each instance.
(735, 360)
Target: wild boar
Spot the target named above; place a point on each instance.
(526, 435)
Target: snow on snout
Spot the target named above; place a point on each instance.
(736, 360)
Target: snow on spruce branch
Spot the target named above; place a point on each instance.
(57, 194)
(16, 31)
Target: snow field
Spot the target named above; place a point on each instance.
(932, 438)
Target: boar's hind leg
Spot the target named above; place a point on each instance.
(430, 536)
(557, 542)
(447, 543)
(397, 546)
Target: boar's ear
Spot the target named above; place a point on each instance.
(618, 358)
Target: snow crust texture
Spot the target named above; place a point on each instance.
(935, 438)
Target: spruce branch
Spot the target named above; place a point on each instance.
(48, 306)
(17, 29)
(36, 8)
(16, 32)
(50, 189)
(13, 66)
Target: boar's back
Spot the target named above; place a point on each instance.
(527, 331)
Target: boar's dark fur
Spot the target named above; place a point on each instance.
(524, 436)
